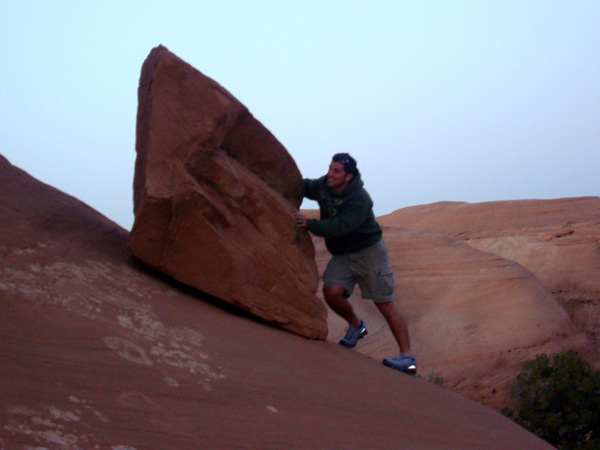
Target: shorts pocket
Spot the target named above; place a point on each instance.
(385, 281)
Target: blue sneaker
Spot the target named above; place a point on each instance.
(403, 363)
(353, 335)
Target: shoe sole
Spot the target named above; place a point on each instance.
(348, 345)
(409, 371)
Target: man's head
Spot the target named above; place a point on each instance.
(341, 171)
(347, 161)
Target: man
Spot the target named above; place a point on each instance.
(359, 255)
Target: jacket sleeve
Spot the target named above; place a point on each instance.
(311, 187)
(307, 190)
(348, 220)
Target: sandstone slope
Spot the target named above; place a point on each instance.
(97, 352)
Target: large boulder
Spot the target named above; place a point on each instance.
(214, 193)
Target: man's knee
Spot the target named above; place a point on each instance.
(334, 293)
(386, 307)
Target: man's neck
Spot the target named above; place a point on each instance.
(338, 190)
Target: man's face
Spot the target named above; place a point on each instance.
(337, 178)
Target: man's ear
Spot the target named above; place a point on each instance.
(348, 177)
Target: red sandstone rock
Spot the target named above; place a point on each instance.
(97, 352)
(214, 193)
(558, 241)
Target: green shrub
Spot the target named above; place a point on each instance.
(558, 398)
(435, 378)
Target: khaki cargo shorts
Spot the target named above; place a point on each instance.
(370, 268)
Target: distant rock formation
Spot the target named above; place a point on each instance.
(214, 193)
(558, 241)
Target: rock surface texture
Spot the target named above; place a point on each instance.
(485, 287)
(214, 193)
(97, 352)
(558, 241)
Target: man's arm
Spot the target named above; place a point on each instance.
(311, 188)
(308, 193)
(347, 221)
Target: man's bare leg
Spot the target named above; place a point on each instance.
(334, 296)
(397, 325)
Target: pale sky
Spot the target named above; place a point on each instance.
(437, 100)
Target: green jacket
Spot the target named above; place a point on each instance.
(347, 220)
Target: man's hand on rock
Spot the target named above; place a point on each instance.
(300, 219)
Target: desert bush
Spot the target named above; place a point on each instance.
(435, 378)
(558, 398)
